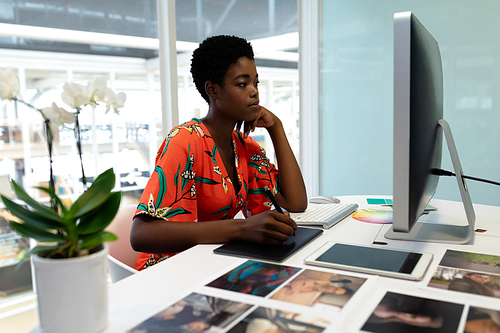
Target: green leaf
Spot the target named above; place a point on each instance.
(214, 154)
(176, 177)
(43, 249)
(257, 191)
(60, 204)
(38, 207)
(95, 240)
(95, 195)
(32, 218)
(35, 250)
(205, 180)
(254, 165)
(163, 186)
(36, 233)
(240, 138)
(222, 210)
(175, 212)
(100, 218)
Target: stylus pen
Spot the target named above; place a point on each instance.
(271, 197)
(276, 205)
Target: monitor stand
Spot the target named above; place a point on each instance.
(444, 233)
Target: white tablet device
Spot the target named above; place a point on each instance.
(386, 262)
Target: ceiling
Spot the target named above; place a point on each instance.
(195, 20)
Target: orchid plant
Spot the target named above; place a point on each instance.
(78, 96)
(76, 230)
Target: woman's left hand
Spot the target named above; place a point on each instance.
(265, 118)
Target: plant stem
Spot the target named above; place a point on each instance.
(49, 137)
(52, 185)
(60, 250)
(78, 137)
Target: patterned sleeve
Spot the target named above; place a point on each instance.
(169, 193)
(262, 173)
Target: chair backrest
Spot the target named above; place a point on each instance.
(118, 270)
(120, 226)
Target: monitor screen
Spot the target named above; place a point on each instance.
(419, 128)
(418, 106)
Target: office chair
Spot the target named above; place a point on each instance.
(122, 257)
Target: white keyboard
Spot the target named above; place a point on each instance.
(326, 215)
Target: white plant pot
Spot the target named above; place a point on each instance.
(72, 293)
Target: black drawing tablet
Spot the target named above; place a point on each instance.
(270, 252)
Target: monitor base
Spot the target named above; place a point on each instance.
(430, 232)
(444, 233)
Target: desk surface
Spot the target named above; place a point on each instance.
(144, 294)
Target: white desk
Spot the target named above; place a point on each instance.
(142, 295)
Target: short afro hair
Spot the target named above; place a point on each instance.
(215, 55)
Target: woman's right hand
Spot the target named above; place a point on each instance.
(269, 227)
(154, 235)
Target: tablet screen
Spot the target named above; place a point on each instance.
(370, 257)
(302, 237)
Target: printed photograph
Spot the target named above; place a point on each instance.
(194, 313)
(477, 283)
(315, 287)
(12, 245)
(471, 261)
(480, 320)
(254, 278)
(403, 313)
(265, 320)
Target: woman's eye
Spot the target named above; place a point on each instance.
(243, 84)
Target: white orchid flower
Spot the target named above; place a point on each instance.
(114, 101)
(9, 83)
(58, 115)
(75, 95)
(97, 88)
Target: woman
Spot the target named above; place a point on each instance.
(207, 172)
(474, 283)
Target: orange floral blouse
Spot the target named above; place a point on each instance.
(190, 182)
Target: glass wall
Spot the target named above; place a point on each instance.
(357, 93)
(127, 141)
(109, 140)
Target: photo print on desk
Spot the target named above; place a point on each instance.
(194, 313)
(398, 313)
(254, 278)
(272, 320)
(481, 320)
(319, 289)
(13, 246)
(473, 273)
(471, 261)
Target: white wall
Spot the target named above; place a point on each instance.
(357, 92)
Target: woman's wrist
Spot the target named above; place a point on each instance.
(276, 127)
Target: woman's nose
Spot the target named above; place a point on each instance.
(254, 92)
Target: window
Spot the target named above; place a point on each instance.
(129, 141)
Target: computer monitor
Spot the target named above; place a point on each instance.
(418, 136)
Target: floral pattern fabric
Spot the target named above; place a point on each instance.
(190, 182)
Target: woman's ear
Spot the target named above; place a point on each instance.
(211, 89)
